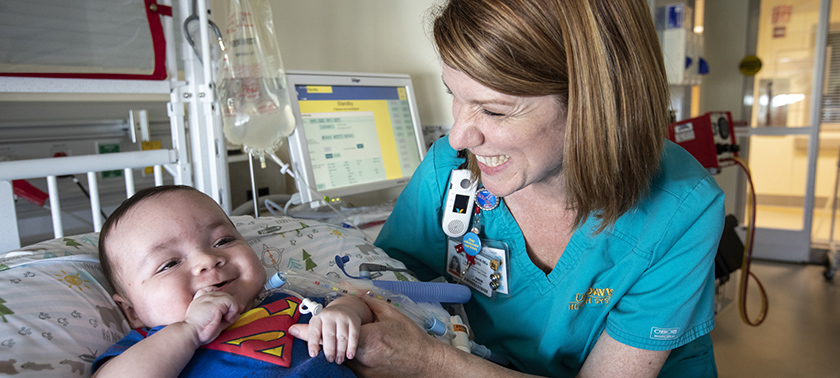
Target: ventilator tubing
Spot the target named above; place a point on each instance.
(428, 291)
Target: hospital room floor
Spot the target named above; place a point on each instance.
(801, 334)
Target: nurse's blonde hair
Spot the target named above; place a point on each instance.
(600, 58)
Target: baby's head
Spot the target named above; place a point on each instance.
(164, 244)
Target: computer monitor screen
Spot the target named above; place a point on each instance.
(354, 132)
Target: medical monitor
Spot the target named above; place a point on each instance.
(354, 132)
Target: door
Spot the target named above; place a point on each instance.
(784, 137)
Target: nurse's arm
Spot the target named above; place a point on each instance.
(610, 358)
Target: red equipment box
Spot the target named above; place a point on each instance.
(710, 138)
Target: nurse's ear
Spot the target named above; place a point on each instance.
(128, 310)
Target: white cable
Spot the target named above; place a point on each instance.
(287, 170)
(295, 200)
(272, 207)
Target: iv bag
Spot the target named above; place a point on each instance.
(251, 83)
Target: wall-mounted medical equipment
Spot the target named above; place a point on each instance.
(354, 132)
(710, 138)
(83, 39)
(682, 48)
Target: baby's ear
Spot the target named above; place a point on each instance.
(129, 312)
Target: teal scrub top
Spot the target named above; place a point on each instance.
(648, 280)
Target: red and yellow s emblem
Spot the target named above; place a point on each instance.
(262, 333)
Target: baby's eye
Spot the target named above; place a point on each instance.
(224, 241)
(167, 266)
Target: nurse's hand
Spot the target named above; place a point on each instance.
(394, 346)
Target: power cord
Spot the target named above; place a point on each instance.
(748, 250)
(84, 191)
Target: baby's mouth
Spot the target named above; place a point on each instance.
(221, 284)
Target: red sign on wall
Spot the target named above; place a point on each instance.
(781, 14)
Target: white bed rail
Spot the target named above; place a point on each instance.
(90, 164)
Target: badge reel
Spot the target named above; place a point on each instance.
(478, 263)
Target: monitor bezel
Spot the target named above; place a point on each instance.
(298, 148)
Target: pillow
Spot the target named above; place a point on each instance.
(56, 311)
(82, 244)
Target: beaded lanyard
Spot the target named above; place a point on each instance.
(471, 243)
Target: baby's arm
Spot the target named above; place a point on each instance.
(337, 327)
(166, 352)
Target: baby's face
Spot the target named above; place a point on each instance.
(172, 245)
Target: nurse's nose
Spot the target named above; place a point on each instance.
(465, 132)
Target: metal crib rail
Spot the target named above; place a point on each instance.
(54, 167)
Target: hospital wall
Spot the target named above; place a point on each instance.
(725, 33)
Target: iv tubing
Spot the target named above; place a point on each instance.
(417, 291)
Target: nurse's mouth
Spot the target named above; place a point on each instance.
(492, 161)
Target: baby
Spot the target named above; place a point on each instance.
(192, 287)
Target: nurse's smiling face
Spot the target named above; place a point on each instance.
(518, 141)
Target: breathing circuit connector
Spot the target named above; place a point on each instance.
(276, 283)
(482, 351)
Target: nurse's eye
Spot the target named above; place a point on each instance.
(491, 114)
(225, 240)
(168, 265)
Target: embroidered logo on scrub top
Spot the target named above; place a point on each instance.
(262, 333)
(657, 333)
(593, 296)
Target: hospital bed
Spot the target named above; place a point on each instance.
(56, 311)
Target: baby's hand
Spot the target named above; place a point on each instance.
(337, 328)
(210, 313)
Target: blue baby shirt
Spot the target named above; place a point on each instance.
(257, 345)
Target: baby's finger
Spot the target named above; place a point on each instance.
(203, 291)
(328, 340)
(314, 336)
(340, 342)
(352, 340)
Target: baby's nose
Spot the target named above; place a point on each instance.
(207, 261)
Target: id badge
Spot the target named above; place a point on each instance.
(487, 273)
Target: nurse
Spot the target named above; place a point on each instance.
(561, 108)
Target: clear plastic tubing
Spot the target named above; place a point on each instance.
(312, 286)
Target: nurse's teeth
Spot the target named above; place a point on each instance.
(492, 161)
